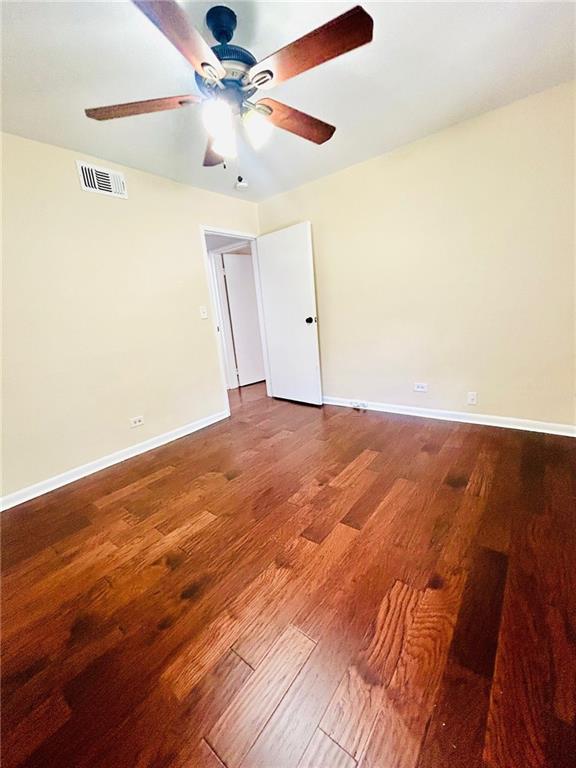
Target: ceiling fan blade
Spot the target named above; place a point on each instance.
(210, 157)
(141, 107)
(344, 33)
(173, 23)
(300, 123)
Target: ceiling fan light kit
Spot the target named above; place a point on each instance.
(258, 128)
(217, 117)
(228, 75)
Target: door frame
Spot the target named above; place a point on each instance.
(215, 305)
(226, 334)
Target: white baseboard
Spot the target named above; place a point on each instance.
(567, 430)
(38, 489)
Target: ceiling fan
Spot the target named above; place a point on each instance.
(227, 75)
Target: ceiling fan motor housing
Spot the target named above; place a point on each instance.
(237, 61)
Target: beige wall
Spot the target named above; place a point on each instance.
(451, 261)
(101, 311)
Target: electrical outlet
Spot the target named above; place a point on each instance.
(136, 421)
(472, 398)
(203, 312)
(420, 386)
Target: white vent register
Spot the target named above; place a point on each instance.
(103, 180)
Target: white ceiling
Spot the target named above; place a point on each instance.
(430, 65)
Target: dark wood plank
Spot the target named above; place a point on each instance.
(175, 739)
(476, 635)
(455, 733)
(532, 697)
(46, 718)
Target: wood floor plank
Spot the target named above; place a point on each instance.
(121, 493)
(391, 741)
(205, 757)
(402, 443)
(496, 528)
(210, 643)
(351, 715)
(322, 752)
(476, 635)
(271, 620)
(331, 511)
(428, 567)
(175, 737)
(241, 723)
(46, 674)
(31, 535)
(43, 720)
(415, 684)
(455, 733)
(283, 740)
(354, 469)
(535, 658)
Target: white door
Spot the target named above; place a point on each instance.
(286, 274)
(244, 317)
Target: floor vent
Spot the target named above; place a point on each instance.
(96, 179)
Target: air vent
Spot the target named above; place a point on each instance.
(103, 180)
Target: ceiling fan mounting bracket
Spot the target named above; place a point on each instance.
(221, 21)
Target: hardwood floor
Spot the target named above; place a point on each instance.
(299, 587)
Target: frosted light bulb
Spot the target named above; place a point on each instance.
(219, 122)
(258, 128)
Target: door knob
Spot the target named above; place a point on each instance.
(309, 319)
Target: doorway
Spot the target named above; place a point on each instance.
(264, 303)
(232, 267)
